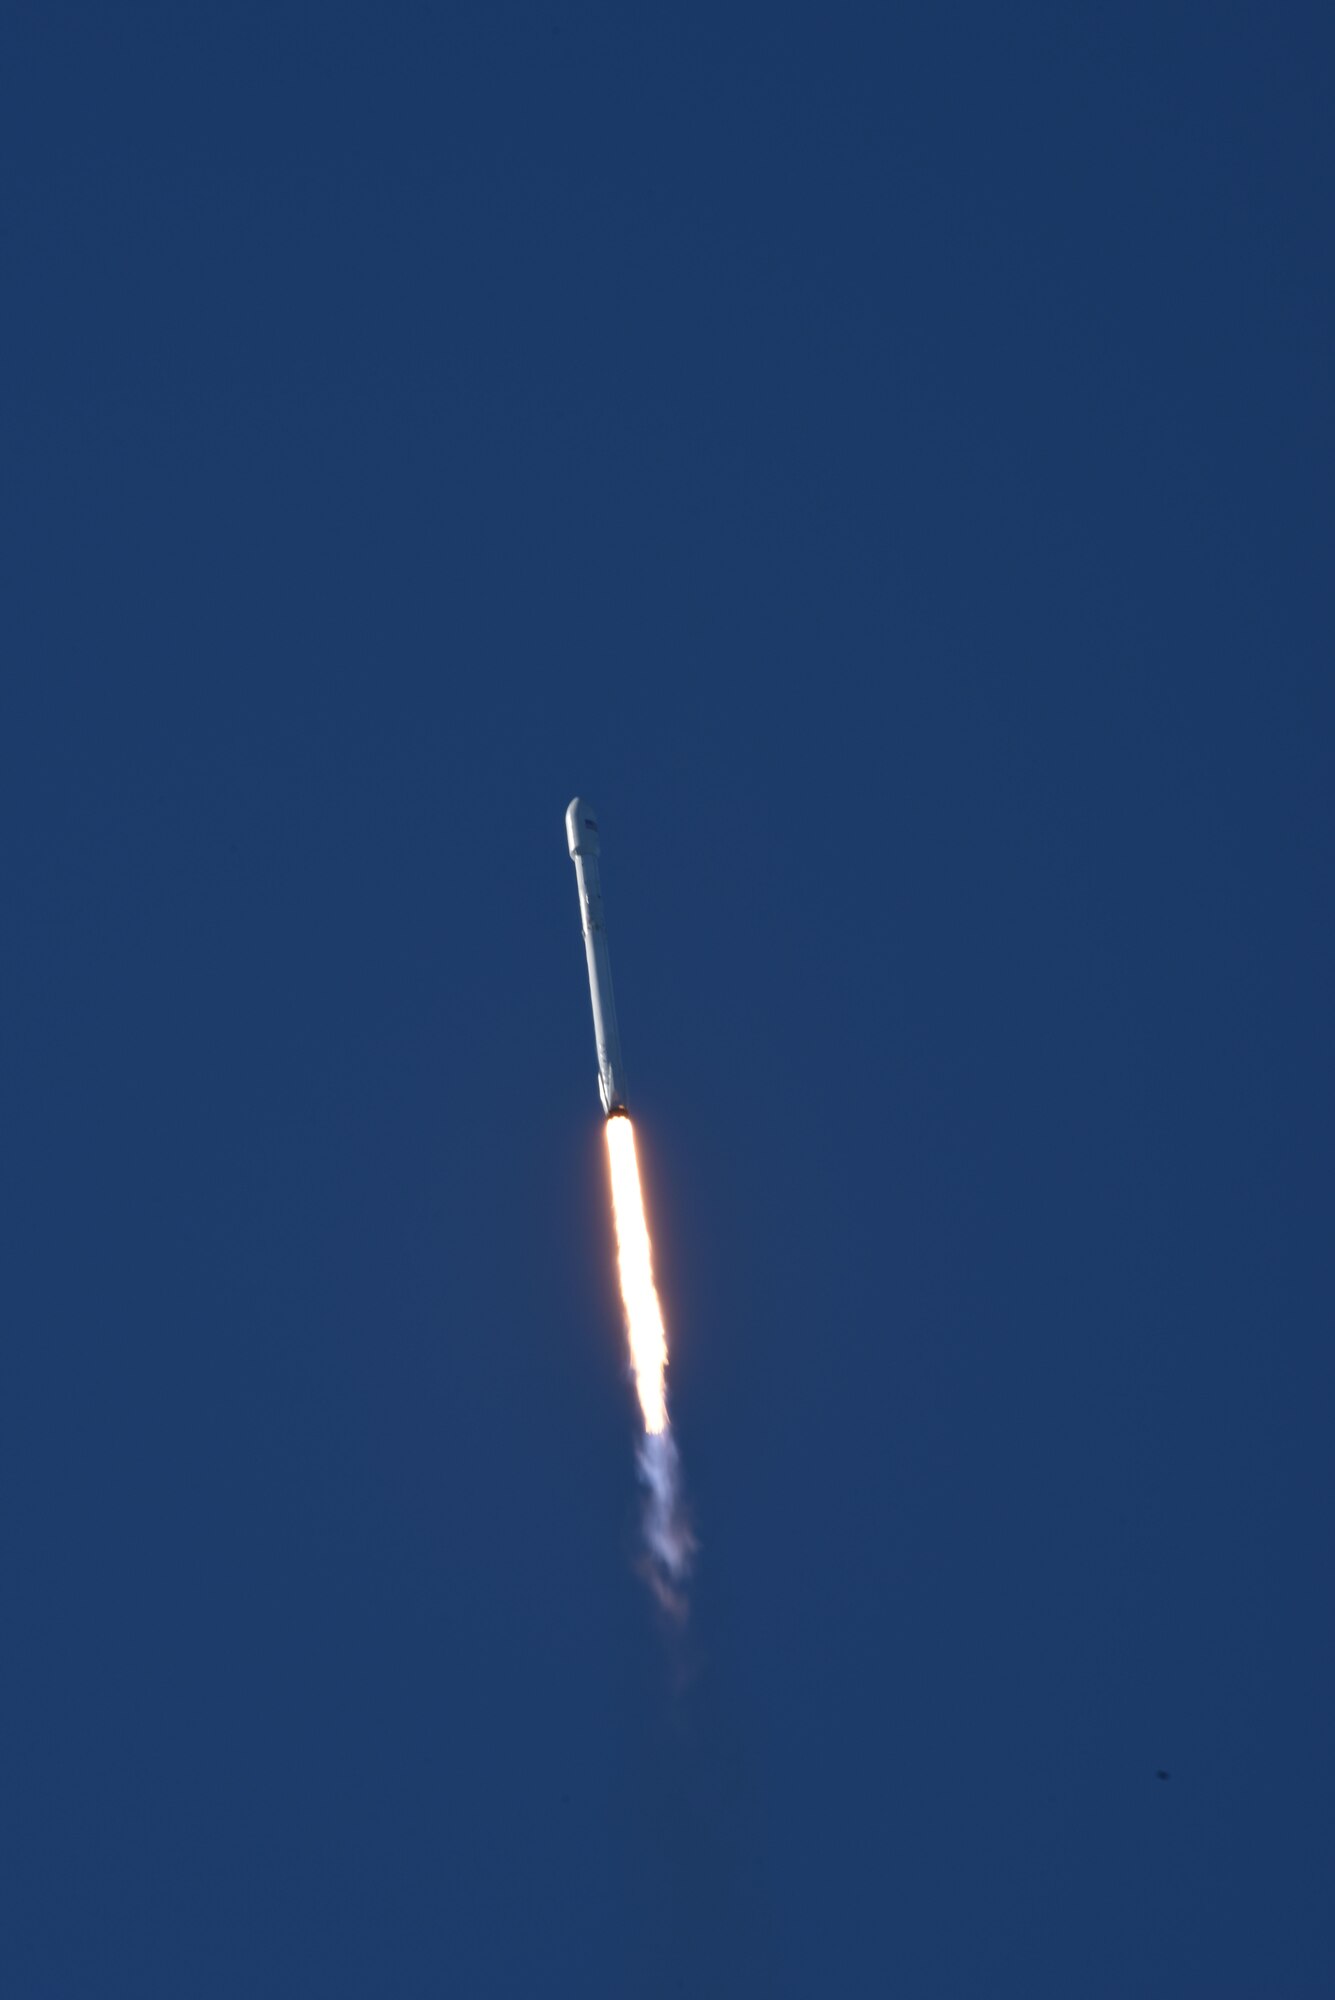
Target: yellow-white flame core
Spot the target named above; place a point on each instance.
(644, 1315)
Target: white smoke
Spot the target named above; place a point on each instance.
(667, 1532)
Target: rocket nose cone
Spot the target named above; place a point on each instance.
(581, 827)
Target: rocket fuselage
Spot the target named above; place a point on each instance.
(582, 840)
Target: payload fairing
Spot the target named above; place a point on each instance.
(582, 839)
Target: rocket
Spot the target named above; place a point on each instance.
(582, 839)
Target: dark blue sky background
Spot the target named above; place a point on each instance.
(882, 457)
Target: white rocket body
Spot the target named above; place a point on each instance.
(582, 839)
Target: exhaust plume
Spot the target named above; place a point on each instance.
(667, 1533)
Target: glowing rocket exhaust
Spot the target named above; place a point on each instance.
(670, 1542)
(644, 1315)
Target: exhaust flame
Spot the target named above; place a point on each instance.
(667, 1532)
(644, 1315)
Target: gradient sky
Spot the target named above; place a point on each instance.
(883, 458)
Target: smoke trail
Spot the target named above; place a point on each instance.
(666, 1530)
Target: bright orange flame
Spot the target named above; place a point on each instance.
(644, 1315)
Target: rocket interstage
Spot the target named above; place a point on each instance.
(667, 1532)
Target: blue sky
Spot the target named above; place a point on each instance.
(884, 461)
